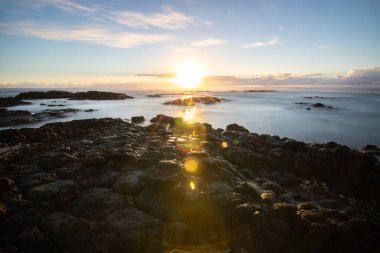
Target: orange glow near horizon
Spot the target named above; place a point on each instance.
(189, 74)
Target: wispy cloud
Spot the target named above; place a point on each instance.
(168, 19)
(181, 50)
(209, 42)
(67, 5)
(271, 42)
(100, 24)
(93, 33)
(328, 46)
(157, 75)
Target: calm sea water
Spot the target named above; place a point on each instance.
(355, 121)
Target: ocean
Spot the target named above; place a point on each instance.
(354, 120)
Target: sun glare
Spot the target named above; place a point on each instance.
(189, 74)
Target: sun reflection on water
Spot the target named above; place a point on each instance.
(188, 114)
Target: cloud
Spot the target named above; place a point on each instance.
(355, 78)
(66, 5)
(168, 19)
(271, 42)
(209, 42)
(99, 24)
(158, 75)
(362, 76)
(91, 33)
(328, 46)
(181, 50)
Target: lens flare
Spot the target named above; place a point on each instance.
(191, 166)
(192, 185)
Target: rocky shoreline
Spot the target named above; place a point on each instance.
(105, 185)
(23, 117)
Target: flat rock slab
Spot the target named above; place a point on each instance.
(96, 203)
(59, 191)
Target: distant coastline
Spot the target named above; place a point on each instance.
(260, 91)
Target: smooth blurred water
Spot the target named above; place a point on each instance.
(355, 121)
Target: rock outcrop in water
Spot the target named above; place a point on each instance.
(23, 117)
(316, 105)
(11, 101)
(258, 91)
(89, 95)
(104, 185)
(193, 100)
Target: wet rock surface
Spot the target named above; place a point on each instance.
(105, 185)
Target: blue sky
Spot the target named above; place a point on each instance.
(262, 41)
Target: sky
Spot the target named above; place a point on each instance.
(236, 42)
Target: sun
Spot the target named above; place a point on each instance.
(189, 74)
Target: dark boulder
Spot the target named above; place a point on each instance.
(236, 127)
(137, 119)
(371, 149)
(167, 120)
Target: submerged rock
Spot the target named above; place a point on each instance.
(320, 105)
